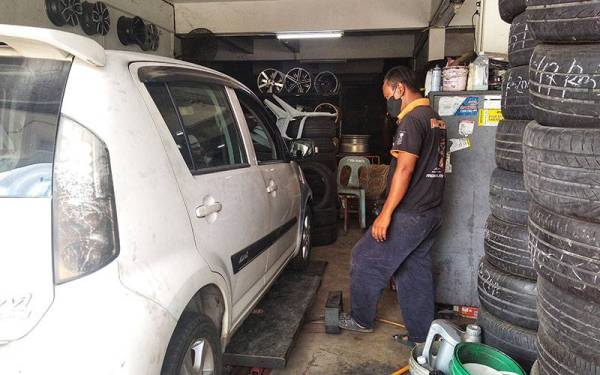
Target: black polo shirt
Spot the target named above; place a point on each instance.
(421, 132)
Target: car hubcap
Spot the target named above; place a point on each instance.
(199, 359)
(306, 237)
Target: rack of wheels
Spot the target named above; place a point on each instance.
(318, 94)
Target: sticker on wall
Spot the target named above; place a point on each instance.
(490, 117)
(469, 107)
(466, 127)
(457, 144)
(448, 105)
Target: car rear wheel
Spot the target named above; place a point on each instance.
(300, 261)
(194, 348)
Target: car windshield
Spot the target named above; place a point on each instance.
(31, 92)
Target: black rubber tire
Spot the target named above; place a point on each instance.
(325, 146)
(509, 9)
(325, 235)
(564, 20)
(520, 41)
(507, 297)
(190, 327)
(505, 246)
(325, 216)
(509, 145)
(519, 343)
(563, 88)
(562, 169)
(557, 359)
(565, 251)
(573, 321)
(327, 159)
(314, 127)
(508, 197)
(300, 261)
(322, 183)
(515, 94)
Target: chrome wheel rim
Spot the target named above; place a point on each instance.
(306, 237)
(199, 359)
(298, 81)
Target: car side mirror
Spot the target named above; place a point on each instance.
(301, 148)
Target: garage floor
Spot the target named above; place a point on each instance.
(348, 353)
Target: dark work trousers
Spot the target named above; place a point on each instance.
(405, 255)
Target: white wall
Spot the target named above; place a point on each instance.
(159, 12)
(269, 16)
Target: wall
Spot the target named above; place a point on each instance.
(159, 12)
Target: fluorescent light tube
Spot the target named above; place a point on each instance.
(309, 35)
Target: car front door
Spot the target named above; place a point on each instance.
(282, 184)
(223, 190)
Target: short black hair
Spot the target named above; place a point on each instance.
(404, 75)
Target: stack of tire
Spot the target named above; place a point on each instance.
(562, 174)
(507, 280)
(320, 172)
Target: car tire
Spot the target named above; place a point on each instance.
(557, 359)
(302, 259)
(509, 145)
(562, 169)
(325, 217)
(322, 183)
(507, 297)
(325, 235)
(325, 146)
(572, 321)
(520, 41)
(314, 127)
(565, 251)
(515, 94)
(327, 159)
(563, 90)
(192, 329)
(506, 248)
(508, 197)
(519, 343)
(564, 20)
(509, 9)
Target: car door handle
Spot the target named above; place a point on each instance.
(272, 187)
(208, 209)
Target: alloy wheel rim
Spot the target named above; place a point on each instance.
(199, 359)
(306, 237)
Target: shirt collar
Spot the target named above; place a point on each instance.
(414, 104)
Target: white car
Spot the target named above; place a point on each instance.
(146, 205)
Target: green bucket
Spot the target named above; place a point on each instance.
(467, 352)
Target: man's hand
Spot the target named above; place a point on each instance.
(380, 227)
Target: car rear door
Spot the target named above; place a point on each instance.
(283, 188)
(223, 190)
(31, 92)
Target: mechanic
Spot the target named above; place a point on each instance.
(399, 242)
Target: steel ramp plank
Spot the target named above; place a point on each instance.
(266, 337)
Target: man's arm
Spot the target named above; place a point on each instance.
(405, 165)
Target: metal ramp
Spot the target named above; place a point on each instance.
(269, 333)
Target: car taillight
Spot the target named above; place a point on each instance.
(85, 236)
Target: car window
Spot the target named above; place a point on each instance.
(31, 92)
(160, 94)
(264, 146)
(201, 122)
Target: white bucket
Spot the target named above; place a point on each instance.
(455, 78)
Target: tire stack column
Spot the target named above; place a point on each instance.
(507, 280)
(562, 174)
(320, 171)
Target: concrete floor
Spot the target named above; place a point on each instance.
(347, 353)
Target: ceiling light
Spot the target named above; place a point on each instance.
(309, 35)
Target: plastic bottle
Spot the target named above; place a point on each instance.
(481, 73)
(436, 79)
